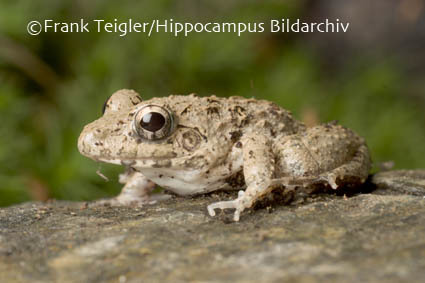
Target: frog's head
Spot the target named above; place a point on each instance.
(160, 132)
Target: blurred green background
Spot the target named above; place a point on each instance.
(371, 79)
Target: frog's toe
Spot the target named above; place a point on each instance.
(211, 208)
(332, 181)
(329, 178)
(222, 205)
(232, 204)
(237, 215)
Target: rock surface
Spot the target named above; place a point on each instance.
(409, 182)
(372, 237)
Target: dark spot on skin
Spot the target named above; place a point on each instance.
(120, 122)
(238, 144)
(208, 171)
(131, 114)
(251, 154)
(138, 100)
(165, 163)
(96, 143)
(236, 181)
(98, 131)
(212, 110)
(189, 163)
(240, 110)
(273, 112)
(246, 120)
(117, 129)
(210, 100)
(234, 136)
(184, 111)
(138, 141)
(329, 125)
(160, 175)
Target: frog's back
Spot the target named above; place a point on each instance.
(260, 115)
(219, 114)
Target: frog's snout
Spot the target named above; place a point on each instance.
(89, 143)
(106, 144)
(83, 141)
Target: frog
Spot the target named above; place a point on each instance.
(192, 145)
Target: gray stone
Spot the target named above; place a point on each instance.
(406, 182)
(364, 238)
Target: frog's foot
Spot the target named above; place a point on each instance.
(136, 192)
(237, 204)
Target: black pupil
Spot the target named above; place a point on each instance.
(152, 121)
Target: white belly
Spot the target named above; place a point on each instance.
(183, 182)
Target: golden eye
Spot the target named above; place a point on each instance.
(153, 122)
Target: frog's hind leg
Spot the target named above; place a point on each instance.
(329, 154)
(325, 154)
(136, 191)
(353, 172)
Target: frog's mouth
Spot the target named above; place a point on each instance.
(160, 162)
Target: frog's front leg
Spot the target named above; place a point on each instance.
(136, 191)
(258, 170)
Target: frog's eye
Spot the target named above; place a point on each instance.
(153, 122)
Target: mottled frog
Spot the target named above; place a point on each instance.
(193, 145)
